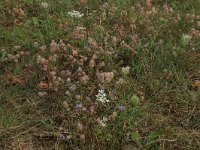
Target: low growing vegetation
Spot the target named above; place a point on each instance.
(89, 74)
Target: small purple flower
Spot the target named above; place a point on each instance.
(120, 107)
(79, 106)
(62, 137)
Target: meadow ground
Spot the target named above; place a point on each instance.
(95, 74)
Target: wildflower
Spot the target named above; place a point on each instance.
(82, 2)
(69, 137)
(53, 46)
(22, 53)
(186, 39)
(92, 110)
(62, 73)
(194, 32)
(67, 93)
(84, 79)
(94, 57)
(4, 60)
(148, 4)
(68, 73)
(62, 137)
(109, 76)
(17, 47)
(105, 76)
(61, 44)
(120, 81)
(81, 62)
(92, 42)
(101, 77)
(114, 40)
(79, 126)
(43, 61)
(68, 80)
(52, 73)
(101, 96)
(35, 44)
(26, 53)
(81, 28)
(102, 64)
(43, 47)
(18, 12)
(198, 23)
(114, 114)
(72, 87)
(88, 98)
(126, 70)
(103, 121)
(74, 61)
(78, 97)
(15, 60)
(75, 14)
(84, 109)
(85, 58)
(16, 56)
(79, 106)
(42, 94)
(91, 63)
(65, 105)
(105, 5)
(10, 57)
(44, 5)
(166, 9)
(82, 138)
(153, 10)
(174, 54)
(120, 107)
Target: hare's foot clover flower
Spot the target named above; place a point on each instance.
(120, 81)
(105, 76)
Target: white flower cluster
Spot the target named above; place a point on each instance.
(101, 96)
(186, 39)
(75, 14)
(103, 121)
(126, 70)
(44, 5)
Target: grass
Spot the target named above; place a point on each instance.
(146, 61)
